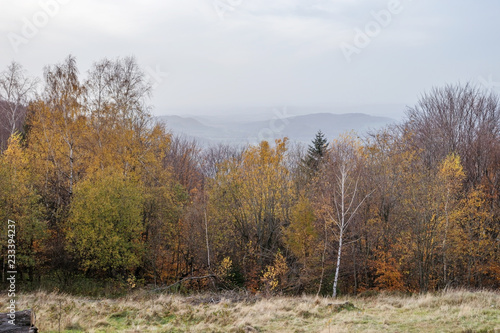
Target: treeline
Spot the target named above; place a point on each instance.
(98, 189)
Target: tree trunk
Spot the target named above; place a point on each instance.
(445, 263)
(206, 238)
(323, 260)
(335, 280)
(17, 322)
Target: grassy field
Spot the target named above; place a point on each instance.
(452, 311)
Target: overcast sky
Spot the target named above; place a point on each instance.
(205, 54)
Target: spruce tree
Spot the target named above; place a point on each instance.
(316, 151)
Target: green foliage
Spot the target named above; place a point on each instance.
(105, 225)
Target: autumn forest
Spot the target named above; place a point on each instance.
(102, 192)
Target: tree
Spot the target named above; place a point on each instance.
(122, 132)
(462, 120)
(340, 196)
(451, 174)
(315, 152)
(250, 201)
(215, 156)
(21, 203)
(420, 211)
(163, 211)
(57, 125)
(105, 228)
(459, 119)
(301, 238)
(474, 242)
(16, 90)
(380, 229)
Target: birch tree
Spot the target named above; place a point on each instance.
(340, 193)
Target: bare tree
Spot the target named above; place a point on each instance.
(183, 157)
(118, 90)
(214, 155)
(460, 119)
(16, 90)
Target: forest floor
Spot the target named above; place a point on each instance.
(142, 311)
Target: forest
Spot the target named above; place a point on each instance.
(102, 192)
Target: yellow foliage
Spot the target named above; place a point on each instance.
(20, 202)
(250, 198)
(300, 235)
(274, 276)
(223, 270)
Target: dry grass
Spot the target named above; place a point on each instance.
(453, 311)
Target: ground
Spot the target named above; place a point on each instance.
(143, 311)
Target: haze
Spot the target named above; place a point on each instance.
(215, 56)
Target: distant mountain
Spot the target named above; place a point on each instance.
(296, 128)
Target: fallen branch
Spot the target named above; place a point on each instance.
(186, 279)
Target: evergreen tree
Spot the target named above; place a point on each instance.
(316, 151)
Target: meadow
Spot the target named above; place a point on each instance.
(144, 311)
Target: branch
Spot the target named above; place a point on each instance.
(357, 207)
(186, 279)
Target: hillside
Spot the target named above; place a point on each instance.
(297, 128)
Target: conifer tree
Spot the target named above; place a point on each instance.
(316, 151)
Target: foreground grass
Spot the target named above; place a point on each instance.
(453, 311)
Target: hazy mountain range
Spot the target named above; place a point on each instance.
(303, 128)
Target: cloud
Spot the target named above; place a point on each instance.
(280, 52)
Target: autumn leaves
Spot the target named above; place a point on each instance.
(88, 170)
(99, 190)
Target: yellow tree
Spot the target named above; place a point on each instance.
(451, 175)
(301, 238)
(57, 128)
(123, 136)
(473, 241)
(20, 202)
(420, 215)
(121, 130)
(78, 129)
(428, 198)
(253, 196)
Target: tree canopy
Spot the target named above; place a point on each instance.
(100, 190)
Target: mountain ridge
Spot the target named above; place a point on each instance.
(298, 128)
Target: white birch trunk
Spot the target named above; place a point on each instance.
(335, 280)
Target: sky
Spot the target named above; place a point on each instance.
(209, 55)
